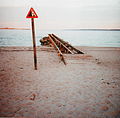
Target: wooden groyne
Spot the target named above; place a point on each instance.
(60, 46)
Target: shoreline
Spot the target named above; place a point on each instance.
(14, 28)
(48, 47)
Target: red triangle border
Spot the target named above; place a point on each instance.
(31, 9)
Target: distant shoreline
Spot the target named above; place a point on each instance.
(16, 28)
(65, 29)
(93, 29)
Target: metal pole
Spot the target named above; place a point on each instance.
(34, 43)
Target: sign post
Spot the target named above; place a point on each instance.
(32, 14)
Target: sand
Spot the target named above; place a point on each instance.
(87, 87)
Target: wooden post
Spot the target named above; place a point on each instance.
(34, 43)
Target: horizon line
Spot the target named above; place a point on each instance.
(105, 29)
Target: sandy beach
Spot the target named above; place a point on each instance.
(87, 87)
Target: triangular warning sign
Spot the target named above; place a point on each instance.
(32, 14)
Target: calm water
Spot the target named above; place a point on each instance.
(74, 37)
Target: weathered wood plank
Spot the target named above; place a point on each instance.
(62, 44)
(58, 50)
(68, 45)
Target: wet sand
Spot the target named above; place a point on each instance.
(87, 87)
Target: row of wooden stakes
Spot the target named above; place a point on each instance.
(60, 45)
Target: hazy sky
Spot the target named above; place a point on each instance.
(61, 14)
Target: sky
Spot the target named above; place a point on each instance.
(61, 14)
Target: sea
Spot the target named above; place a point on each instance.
(94, 38)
